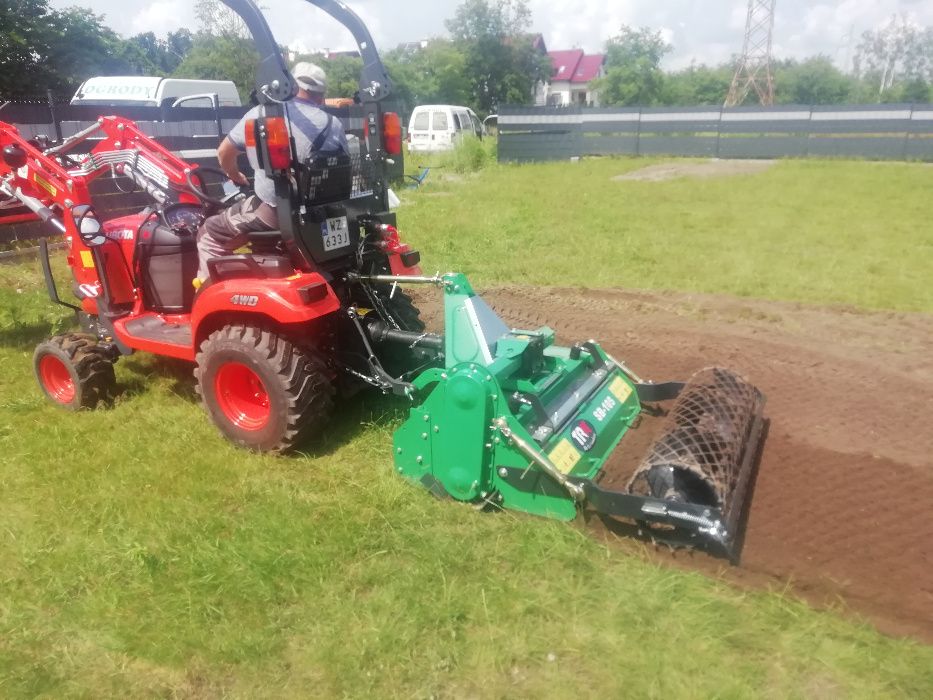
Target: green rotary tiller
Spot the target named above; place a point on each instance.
(509, 419)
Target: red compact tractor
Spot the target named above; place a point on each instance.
(276, 332)
(498, 416)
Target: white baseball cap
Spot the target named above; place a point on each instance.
(310, 77)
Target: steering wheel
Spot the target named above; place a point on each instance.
(198, 192)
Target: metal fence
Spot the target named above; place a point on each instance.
(883, 132)
(191, 132)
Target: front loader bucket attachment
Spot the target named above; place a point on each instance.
(515, 421)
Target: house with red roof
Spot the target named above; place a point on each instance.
(572, 76)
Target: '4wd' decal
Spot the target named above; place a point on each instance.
(244, 300)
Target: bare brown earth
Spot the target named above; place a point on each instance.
(842, 510)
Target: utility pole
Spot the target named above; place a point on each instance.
(753, 70)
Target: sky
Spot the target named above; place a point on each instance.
(704, 31)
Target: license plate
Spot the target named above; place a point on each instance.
(336, 233)
(419, 137)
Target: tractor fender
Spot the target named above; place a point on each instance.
(291, 301)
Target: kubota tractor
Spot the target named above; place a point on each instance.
(498, 416)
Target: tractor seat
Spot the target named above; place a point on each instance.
(230, 267)
(265, 236)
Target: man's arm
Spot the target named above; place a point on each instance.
(227, 154)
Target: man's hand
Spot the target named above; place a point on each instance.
(227, 156)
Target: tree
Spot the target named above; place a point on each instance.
(897, 52)
(221, 58)
(813, 81)
(41, 48)
(696, 85)
(222, 50)
(343, 74)
(434, 74)
(44, 49)
(219, 20)
(146, 54)
(916, 90)
(633, 68)
(500, 62)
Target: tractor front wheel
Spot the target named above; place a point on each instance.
(262, 391)
(74, 371)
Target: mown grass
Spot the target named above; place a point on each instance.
(142, 556)
(842, 232)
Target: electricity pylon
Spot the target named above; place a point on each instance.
(753, 71)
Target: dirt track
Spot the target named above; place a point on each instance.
(843, 505)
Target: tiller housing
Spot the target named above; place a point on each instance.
(515, 421)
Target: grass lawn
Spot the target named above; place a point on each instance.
(142, 556)
(844, 232)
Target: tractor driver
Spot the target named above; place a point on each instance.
(313, 131)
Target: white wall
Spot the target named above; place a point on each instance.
(563, 92)
(559, 92)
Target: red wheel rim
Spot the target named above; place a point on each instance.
(241, 396)
(56, 380)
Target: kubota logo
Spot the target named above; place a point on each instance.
(584, 435)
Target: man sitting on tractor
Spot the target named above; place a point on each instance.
(313, 130)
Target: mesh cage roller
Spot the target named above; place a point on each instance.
(699, 455)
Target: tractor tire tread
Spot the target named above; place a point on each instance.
(406, 313)
(309, 394)
(93, 366)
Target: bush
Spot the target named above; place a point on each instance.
(470, 155)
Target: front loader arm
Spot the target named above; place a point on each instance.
(136, 155)
(50, 189)
(36, 181)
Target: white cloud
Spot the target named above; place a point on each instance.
(161, 17)
(585, 24)
(709, 31)
(738, 14)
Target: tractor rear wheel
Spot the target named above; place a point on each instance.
(261, 390)
(398, 360)
(74, 371)
(405, 313)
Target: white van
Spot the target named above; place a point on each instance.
(438, 127)
(143, 91)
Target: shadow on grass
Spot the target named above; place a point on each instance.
(350, 417)
(148, 368)
(25, 336)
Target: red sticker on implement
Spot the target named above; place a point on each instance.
(584, 435)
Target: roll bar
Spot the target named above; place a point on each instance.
(275, 85)
(274, 82)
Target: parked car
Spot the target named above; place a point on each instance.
(439, 127)
(145, 91)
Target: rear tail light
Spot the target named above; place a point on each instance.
(280, 152)
(392, 133)
(249, 133)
